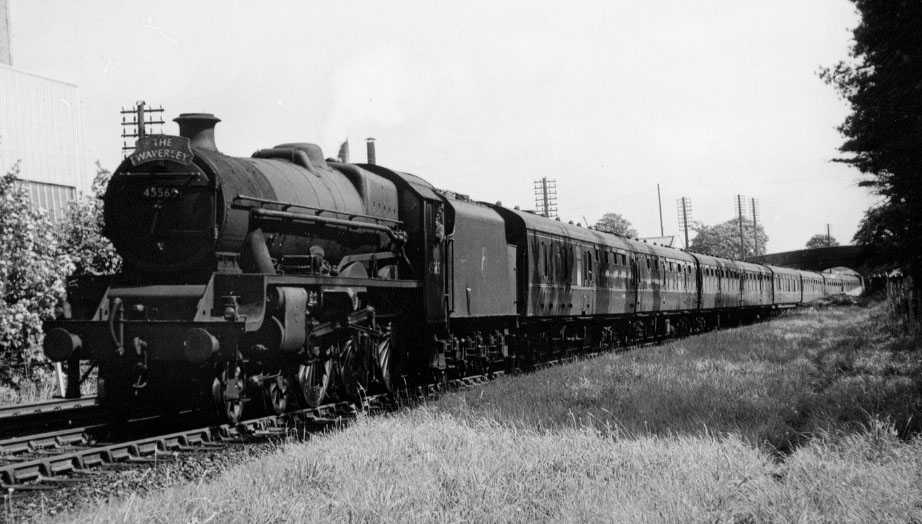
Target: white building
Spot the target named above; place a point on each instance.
(40, 126)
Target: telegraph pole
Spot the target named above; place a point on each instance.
(739, 206)
(546, 197)
(685, 209)
(828, 236)
(136, 122)
(659, 199)
(755, 223)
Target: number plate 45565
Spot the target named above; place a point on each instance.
(161, 192)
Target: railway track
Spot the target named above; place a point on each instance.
(43, 460)
(46, 407)
(46, 460)
(48, 415)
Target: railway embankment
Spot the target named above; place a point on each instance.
(813, 416)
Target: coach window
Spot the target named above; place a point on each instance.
(554, 256)
(558, 264)
(544, 257)
(589, 267)
(564, 265)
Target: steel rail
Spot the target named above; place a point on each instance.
(29, 443)
(79, 453)
(47, 406)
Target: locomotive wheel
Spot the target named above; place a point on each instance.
(230, 408)
(314, 380)
(361, 361)
(276, 392)
(383, 359)
(353, 369)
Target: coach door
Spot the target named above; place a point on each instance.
(633, 284)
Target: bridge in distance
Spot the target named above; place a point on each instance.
(857, 258)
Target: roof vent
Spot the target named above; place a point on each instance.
(198, 128)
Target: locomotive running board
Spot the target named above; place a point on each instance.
(325, 281)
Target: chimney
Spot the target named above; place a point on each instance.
(199, 128)
(6, 54)
(370, 149)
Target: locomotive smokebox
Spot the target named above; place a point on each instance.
(199, 128)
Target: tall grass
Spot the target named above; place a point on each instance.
(808, 418)
(39, 383)
(426, 466)
(774, 383)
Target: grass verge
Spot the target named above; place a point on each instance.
(774, 383)
(426, 466)
(808, 418)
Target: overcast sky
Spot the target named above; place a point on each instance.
(707, 98)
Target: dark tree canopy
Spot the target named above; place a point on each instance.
(615, 223)
(882, 82)
(882, 228)
(723, 240)
(821, 240)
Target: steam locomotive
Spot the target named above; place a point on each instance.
(289, 278)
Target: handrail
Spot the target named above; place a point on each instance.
(316, 210)
(288, 215)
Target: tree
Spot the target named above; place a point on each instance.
(81, 232)
(882, 82)
(723, 240)
(877, 229)
(617, 224)
(820, 240)
(32, 272)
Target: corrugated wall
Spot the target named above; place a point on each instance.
(40, 125)
(53, 198)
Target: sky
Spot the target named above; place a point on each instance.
(709, 99)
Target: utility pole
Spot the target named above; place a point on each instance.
(136, 122)
(659, 199)
(739, 207)
(755, 224)
(828, 236)
(546, 197)
(685, 211)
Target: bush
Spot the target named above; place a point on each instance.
(32, 274)
(81, 233)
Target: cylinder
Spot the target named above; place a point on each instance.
(59, 344)
(198, 345)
